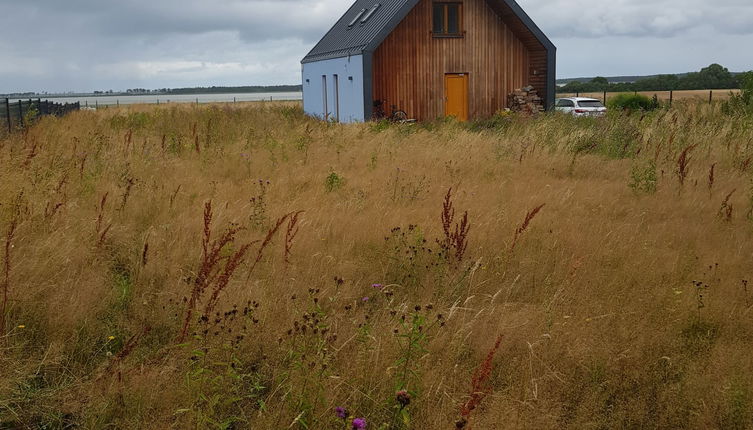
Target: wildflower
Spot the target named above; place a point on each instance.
(22, 326)
(377, 286)
(359, 423)
(403, 397)
(341, 412)
(365, 299)
(111, 338)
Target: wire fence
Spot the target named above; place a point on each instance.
(667, 96)
(20, 113)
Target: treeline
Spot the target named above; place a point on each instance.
(218, 90)
(709, 78)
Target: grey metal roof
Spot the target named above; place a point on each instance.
(342, 41)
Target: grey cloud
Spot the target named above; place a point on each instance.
(101, 44)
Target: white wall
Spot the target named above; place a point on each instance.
(350, 79)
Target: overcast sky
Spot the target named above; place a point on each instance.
(84, 45)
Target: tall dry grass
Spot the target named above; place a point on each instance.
(623, 303)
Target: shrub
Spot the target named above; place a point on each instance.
(643, 178)
(742, 102)
(632, 102)
(334, 182)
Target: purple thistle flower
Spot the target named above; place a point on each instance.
(377, 286)
(341, 412)
(365, 299)
(359, 423)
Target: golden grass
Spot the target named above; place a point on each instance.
(617, 306)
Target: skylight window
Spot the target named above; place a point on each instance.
(370, 13)
(358, 16)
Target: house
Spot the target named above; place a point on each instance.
(429, 58)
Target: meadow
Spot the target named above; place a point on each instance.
(244, 266)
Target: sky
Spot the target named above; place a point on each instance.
(86, 45)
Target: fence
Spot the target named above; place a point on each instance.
(16, 115)
(708, 96)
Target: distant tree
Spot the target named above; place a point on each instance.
(600, 82)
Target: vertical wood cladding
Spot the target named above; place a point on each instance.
(410, 65)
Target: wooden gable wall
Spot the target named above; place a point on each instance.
(410, 65)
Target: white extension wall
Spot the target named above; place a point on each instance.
(349, 71)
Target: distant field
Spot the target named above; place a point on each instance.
(664, 95)
(244, 266)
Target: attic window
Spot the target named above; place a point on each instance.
(358, 16)
(446, 20)
(370, 13)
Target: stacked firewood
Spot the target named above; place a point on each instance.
(525, 100)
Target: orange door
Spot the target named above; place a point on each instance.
(456, 95)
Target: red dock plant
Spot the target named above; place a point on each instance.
(479, 387)
(526, 222)
(455, 239)
(211, 275)
(683, 164)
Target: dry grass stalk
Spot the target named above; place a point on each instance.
(479, 386)
(526, 222)
(455, 241)
(174, 195)
(128, 139)
(128, 347)
(82, 165)
(102, 232)
(711, 178)
(725, 210)
(32, 153)
(130, 182)
(145, 253)
(290, 234)
(683, 164)
(5, 287)
(267, 240)
(745, 164)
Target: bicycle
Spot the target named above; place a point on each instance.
(397, 115)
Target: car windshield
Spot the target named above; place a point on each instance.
(590, 103)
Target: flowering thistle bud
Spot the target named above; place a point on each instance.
(403, 397)
(359, 424)
(341, 412)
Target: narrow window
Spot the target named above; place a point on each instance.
(324, 96)
(337, 97)
(446, 20)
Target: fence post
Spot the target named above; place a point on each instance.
(117, 101)
(7, 114)
(96, 104)
(21, 112)
(605, 97)
(711, 95)
(671, 96)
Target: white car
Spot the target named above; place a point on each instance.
(580, 106)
